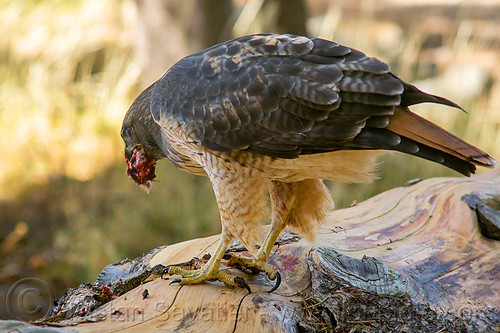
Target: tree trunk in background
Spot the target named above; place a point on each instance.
(169, 30)
(211, 24)
(292, 17)
(282, 16)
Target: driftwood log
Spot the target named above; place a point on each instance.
(422, 257)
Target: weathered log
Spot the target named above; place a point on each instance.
(410, 259)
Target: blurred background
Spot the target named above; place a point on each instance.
(70, 69)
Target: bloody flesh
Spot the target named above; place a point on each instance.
(140, 168)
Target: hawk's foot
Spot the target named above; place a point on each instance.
(255, 266)
(197, 276)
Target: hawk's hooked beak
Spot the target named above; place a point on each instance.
(128, 153)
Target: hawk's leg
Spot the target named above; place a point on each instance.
(259, 262)
(208, 272)
(241, 197)
(282, 201)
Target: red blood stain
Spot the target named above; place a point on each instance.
(140, 168)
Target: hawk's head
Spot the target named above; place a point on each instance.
(140, 134)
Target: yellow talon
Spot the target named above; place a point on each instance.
(190, 277)
(253, 264)
(207, 272)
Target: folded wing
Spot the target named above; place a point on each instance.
(283, 96)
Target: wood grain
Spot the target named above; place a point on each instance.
(420, 245)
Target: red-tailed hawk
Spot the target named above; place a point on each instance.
(276, 114)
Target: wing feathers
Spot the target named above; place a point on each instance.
(412, 95)
(285, 95)
(362, 82)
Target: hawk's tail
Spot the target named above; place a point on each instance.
(424, 139)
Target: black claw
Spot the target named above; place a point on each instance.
(242, 283)
(165, 270)
(227, 255)
(277, 284)
(158, 269)
(175, 281)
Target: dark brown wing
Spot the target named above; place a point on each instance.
(277, 95)
(284, 95)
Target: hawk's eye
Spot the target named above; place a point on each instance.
(127, 132)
